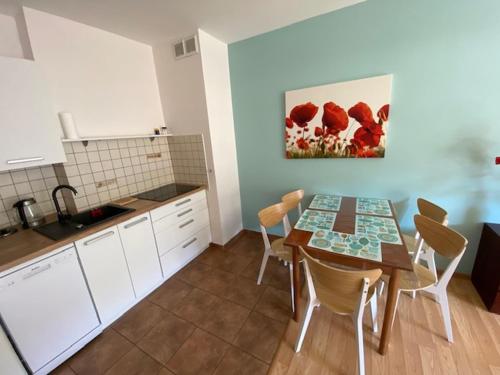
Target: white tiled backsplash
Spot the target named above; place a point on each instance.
(103, 171)
(26, 183)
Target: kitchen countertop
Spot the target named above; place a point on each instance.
(27, 244)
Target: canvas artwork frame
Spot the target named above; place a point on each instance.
(339, 120)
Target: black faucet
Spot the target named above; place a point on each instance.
(60, 216)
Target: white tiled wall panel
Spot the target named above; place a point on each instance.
(107, 170)
(35, 183)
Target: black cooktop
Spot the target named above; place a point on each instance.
(166, 192)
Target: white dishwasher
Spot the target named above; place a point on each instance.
(46, 309)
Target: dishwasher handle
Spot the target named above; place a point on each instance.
(36, 271)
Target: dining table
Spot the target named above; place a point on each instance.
(394, 256)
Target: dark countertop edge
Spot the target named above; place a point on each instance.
(149, 206)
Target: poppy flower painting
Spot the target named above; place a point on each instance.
(340, 120)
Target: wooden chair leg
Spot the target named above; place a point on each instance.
(263, 265)
(358, 325)
(373, 312)
(303, 327)
(445, 311)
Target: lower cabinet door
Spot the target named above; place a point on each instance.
(182, 254)
(105, 268)
(142, 256)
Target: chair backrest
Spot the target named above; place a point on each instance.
(443, 240)
(272, 216)
(432, 211)
(293, 200)
(338, 289)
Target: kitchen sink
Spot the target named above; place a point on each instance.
(82, 221)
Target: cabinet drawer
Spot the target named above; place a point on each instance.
(173, 235)
(182, 254)
(178, 205)
(179, 216)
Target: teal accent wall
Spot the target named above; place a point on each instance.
(444, 130)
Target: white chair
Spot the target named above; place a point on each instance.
(343, 292)
(446, 242)
(416, 249)
(294, 200)
(268, 218)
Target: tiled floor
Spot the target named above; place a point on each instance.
(210, 318)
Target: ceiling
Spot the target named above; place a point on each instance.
(156, 21)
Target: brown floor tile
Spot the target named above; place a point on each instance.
(200, 354)
(276, 274)
(194, 273)
(237, 362)
(170, 294)
(225, 320)
(217, 282)
(166, 338)
(225, 260)
(276, 304)
(135, 362)
(249, 245)
(100, 354)
(196, 305)
(64, 369)
(138, 321)
(260, 336)
(244, 291)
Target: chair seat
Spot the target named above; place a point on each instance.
(280, 250)
(420, 278)
(340, 305)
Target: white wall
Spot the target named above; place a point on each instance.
(106, 81)
(183, 97)
(10, 41)
(196, 98)
(215, 64)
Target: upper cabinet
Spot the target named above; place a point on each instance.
(29, 127)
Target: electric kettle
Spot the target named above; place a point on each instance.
(29, 212)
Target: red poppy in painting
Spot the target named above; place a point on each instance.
(302, 144)
(362, 113)
(497, 160)
(289, 122)
(367, 138)
(374, 128)
(383, 113)
(303, 113)
(334, 117)
(318, 131)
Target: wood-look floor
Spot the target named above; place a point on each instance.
(418, 344)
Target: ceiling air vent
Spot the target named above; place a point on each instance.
(186, 47)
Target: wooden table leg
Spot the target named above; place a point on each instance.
(296, 283)
(390, 309)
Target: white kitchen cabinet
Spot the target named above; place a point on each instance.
(172, 235)
(182, 231)
(186, 251)
(142, 256)
(106, 270)
(30, 127)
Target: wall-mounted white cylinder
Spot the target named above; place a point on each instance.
(68, 125)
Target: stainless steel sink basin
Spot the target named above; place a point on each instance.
(81, 221)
